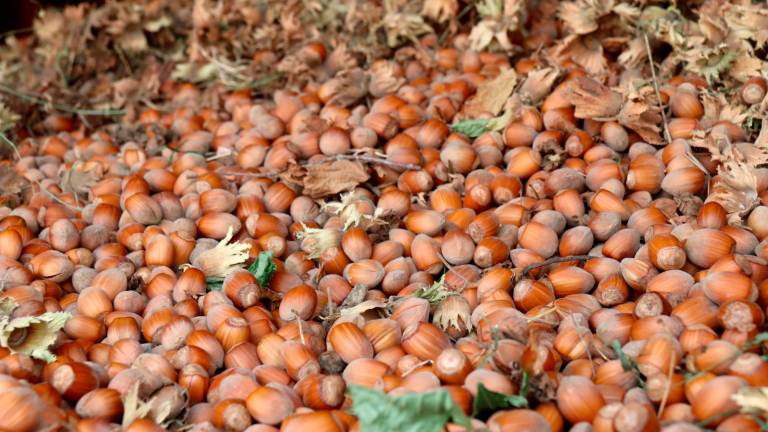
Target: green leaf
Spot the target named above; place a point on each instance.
(489, 401)
(417, 412)
(471, 128)
(263, 268)
(214, 283)
(524, 385)
(628, 364)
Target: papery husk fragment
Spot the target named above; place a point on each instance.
(315, 241)
(538, 84)
(30, 335)
(593, 100)
(752, 400)
(223, 258)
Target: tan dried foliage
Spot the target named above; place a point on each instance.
(592, 99)
(491, 95)
(333, 177)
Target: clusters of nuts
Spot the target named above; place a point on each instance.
(564, 249)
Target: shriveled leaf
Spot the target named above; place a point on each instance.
(709, 62)
(383, 80)
(578, 17)
(440, 10)
(634, 54)
(472, 128)
(748, 21)
(348, 87)
(487, 401)
(538, 84)
(592, 99)
(491, 95)
(77, 180)
(330, 178)
(417, 412)
(642, 114)
(585, 51)
(735, 190)
(263, 268)
(12, 183)
(745, 67)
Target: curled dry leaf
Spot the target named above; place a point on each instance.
(642, 114)
(440, 10)
(348, 87)
(735, 190)
(78, 180)
(13, 185)
(331, 178)
(538, 84)
(586, 51)
(592, 99)
(579, 17)
(491, 95)
(383, 80)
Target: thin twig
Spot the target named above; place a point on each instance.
(368, 159)
(667, 386)
(57, 106)
(667, 135)
(352, 157)
(11, 144)
(553, 260)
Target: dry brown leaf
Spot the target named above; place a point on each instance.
(78, 181)
(538, 84)
(486, 32)
(634, 55)
(578, 17)
(331, 178)
(735, 189)
(586, 51)
(641, 113)
(748, 21)
(492, 94)
(349, 87)
(13, 185)
(592, 99)
(440, 10)
(745, 66)
(382, 79)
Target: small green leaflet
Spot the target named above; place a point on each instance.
(263, 268)
(417, 412)
(488, 401)
(471, 128)
(476, 127)
(214, 283)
